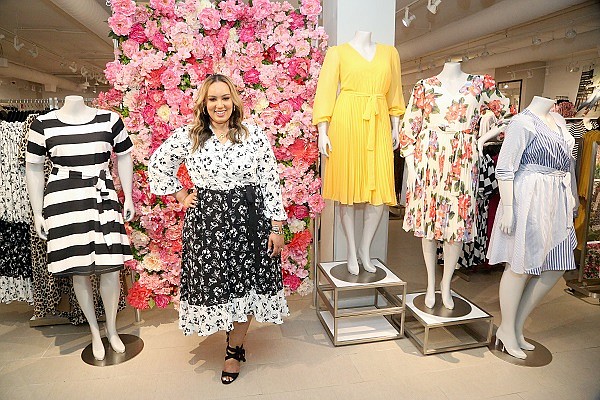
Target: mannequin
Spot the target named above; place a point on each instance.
(520, 293)
(75, 112)
(363, 44)
(449, 83)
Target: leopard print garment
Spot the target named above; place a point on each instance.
(48, 290)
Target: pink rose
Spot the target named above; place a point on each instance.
(164, 7)
(230, 10)
(251, 77)
(124, 7)
(261, 9)
(296, 21)
(292, 282)
(310, 7)
(254, 49)
(247, 34)
(170, 79)
(130, 47)
(120, 24)
(300, 212)
(161, 300)
(137, 33)
(158, 40)
(148, 113)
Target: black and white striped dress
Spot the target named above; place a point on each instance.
(83, 215)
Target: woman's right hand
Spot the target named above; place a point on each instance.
(190, 200)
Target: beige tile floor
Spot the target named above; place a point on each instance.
(297, 361)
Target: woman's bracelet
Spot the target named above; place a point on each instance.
(277, 229)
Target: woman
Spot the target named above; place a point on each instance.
(233, 229)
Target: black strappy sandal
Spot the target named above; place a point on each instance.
(237, 353)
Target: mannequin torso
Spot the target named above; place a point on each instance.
(540, 106)
(363, 44)
(452, 77)
(75, 112)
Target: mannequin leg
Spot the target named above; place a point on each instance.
(371, 220)
(536, 289)
(85, 297)
(347, 214)
(452, 252)
(511, 291)
(110, 288)
(430, 257)
(236, 338)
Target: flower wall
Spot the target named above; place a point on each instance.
(273, 54)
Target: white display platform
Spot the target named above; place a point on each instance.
(434, 334)
(372, 311)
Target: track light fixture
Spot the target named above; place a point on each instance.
(485, 52)
(432, 5)
(529, 74)
(16, 44)
(73, 67)
(34, 51)
(408, 17)
(465, 57)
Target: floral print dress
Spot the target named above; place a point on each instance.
(440, 128)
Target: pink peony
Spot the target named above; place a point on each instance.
(311, 8)
(123, 7)
(210, 19)
(247, 34)
(296, 21)
(170, 79)
(164, 7)
(230, 10)
(158, 40)
(292, 282)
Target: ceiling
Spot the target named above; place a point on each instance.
(60, 37)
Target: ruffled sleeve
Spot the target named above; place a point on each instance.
(165, 162)
(327, 87)
(268, 178)
(412, 121)
(394, 96)
(492, 99)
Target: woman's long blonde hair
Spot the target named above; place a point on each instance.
(200, 130)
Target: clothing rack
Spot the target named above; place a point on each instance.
(52, 103)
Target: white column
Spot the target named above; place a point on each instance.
(341, 19)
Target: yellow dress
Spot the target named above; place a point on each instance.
(360, 166)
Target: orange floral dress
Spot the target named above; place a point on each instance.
(440, 128)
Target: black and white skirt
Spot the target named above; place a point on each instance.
(226, 271)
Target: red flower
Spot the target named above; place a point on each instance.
(162, 301)
(292, 282)
(139, 296)
(307, 152)
(300, 212)
(300, 241)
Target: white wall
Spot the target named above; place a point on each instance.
(560, 82)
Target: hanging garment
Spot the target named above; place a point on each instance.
(584, 183)
(539, 161)
(360, 166)
(15, 256)
(86, 232)
(48, 289)
(440, 130)
(577, 130)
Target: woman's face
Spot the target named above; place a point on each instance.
(219, 103)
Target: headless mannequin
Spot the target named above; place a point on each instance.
(361, 42)
(520, 294)
(452, 78)
(75, 112)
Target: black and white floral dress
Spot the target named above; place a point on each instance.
(226, 272)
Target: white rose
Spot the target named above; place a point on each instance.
(164, 112)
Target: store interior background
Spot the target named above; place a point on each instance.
(64, 45)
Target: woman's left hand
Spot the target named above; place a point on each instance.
(275, 244)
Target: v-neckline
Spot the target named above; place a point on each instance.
(559, 132)
(456, 91)
(363, 57)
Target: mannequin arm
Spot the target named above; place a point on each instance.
(395, 121)
(486, 122)
(411, 174)
(34, 174)
(324, 143)
(490, 134)
(506, 197)
(125, 167)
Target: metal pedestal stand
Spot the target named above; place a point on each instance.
(133, 347)
(440, 330)
(372, 311)
(538, 357)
